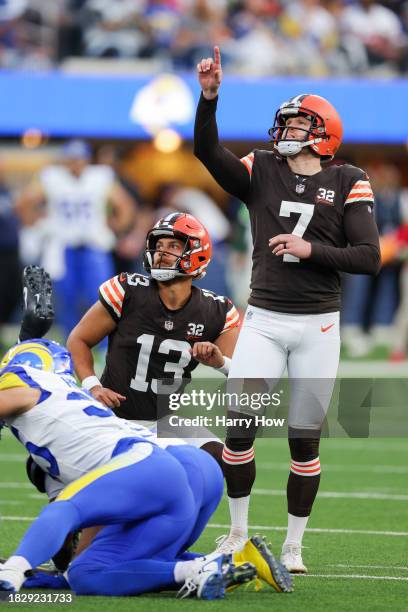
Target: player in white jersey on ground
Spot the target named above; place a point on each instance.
(167, 497)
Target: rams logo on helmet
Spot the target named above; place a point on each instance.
(41, 354)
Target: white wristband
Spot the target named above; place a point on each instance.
(225, 368)
(90, 382)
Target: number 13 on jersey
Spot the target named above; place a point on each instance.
(140, 382)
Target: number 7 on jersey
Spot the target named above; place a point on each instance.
(306, 213)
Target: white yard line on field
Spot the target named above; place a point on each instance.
(263, 465)
(263, 528)
(375, 369)
(389, 445)
(347, 369)
(16, 485)
(13, 457)
(355, 576)
(17, 518)
(317, 530)
(338, 495)
(20, 502)
(372, 495)
(345, 445)
(364, 469)
(352, 565)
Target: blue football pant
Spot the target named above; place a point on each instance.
(134, 559)
(85, 270)
(151, 511)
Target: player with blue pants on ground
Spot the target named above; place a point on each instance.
(154, 503)
(150, 550)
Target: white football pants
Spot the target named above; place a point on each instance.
(308, 345)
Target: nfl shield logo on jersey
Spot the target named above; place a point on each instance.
(168, 325)
(300, 187)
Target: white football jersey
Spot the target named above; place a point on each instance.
(77, 206)
(68, 433)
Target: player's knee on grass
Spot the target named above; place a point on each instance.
(85, 580)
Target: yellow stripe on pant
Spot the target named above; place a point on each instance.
(140, 451)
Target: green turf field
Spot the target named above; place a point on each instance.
(356, 546)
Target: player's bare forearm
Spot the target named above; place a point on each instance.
(95, 325)
(212, 353)
(81, 354)
(84, 367)
(16, 400)
(226, 342)
(224, 166)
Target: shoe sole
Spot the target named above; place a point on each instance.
(6, 586)
(38, 282)
(296, 571)
(280, 578)
(240, 574)
(213, 588)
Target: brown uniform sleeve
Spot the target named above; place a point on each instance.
(362, 256)
(223, 165)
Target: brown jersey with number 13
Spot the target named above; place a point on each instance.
(152, 343)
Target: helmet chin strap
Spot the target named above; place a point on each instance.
(287, 148)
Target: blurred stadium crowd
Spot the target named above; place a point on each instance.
(375, 310)
(258, 37)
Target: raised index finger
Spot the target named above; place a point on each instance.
(217, 56)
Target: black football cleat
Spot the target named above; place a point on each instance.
(38, 313)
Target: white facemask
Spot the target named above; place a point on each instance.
(163, 274)
(287, 148)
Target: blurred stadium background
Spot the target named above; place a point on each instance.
(121, 75)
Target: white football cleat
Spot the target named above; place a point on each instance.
(206, 579)
(11, 580)
(228, 544)
(291, 558)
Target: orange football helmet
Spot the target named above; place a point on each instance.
(197, 250)
(325, 133)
